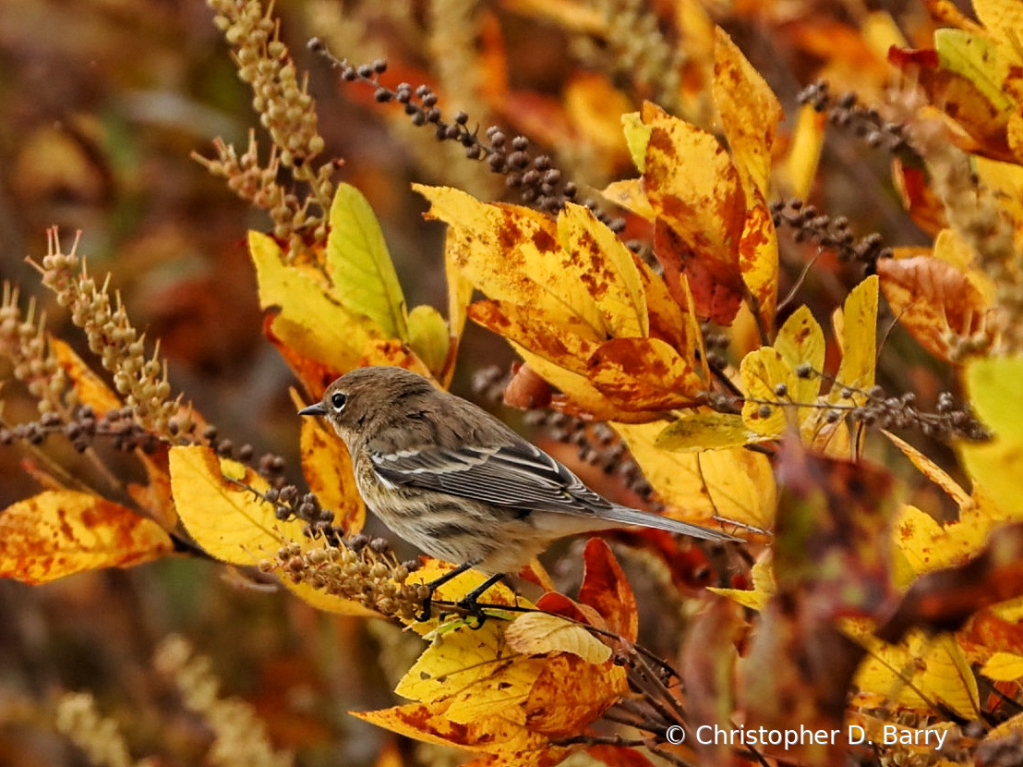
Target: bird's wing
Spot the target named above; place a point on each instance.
(517, 476)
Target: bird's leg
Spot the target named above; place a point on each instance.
(470, 601)
(435, 584)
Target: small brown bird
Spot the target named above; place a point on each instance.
(453, 480)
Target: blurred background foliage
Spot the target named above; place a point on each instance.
(103, 101)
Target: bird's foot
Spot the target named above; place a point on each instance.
(470, 602)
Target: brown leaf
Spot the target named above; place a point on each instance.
(708, 671)
(527, 390)
(716, 285)
(934, 300)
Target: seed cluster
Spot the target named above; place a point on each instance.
(360, 569)
(846, 112)
(634, 48)
(121, 349)
(288, 112)
(832, 232)
(23, 340)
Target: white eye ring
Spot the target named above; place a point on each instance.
(338, 400)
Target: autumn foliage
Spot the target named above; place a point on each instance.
(713, 325)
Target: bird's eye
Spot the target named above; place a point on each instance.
(338, 401)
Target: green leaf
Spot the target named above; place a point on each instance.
(429, 337)
(360, 266)
(977, 59)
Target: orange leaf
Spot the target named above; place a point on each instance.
(644, 374)
(619, 756)
(606, 589)
(62, 532)
(90, 388)
(562, 343)
(934, 300)
(559, 709)
(428, 722)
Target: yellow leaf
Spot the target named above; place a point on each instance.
(310, 321)
(460, 290)
(857, 331)
(1003, 667)
(691, 183)
(630, 195)
(920, 672)
(525, 244)
(476, 673)
(637, 136)
(749, 112)
(801, 341)
(566, 344)
(542, 633)
(706, 431)
(429, 337)
(62, 532)
(731, 484)
(766, 411)
(805, 147)
(758, 259)
(993, 387)
(934, 301)
(360, 266)
(602, 262)
(227, 520)
(577, 388)
(430, 570)
(763, 586)
(932, 471)
(1003, 20)
(430, 723)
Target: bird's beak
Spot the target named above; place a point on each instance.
(316, 409)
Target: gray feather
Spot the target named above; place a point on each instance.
(517, 476)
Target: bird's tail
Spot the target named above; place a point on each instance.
(629, 516)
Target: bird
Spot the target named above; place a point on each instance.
(451, 479)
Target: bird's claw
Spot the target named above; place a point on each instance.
(473, 608)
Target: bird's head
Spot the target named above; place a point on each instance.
(355, 400)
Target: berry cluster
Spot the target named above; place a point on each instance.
(533, 176)
(875, 408)
(832, 232)
(846, 112)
